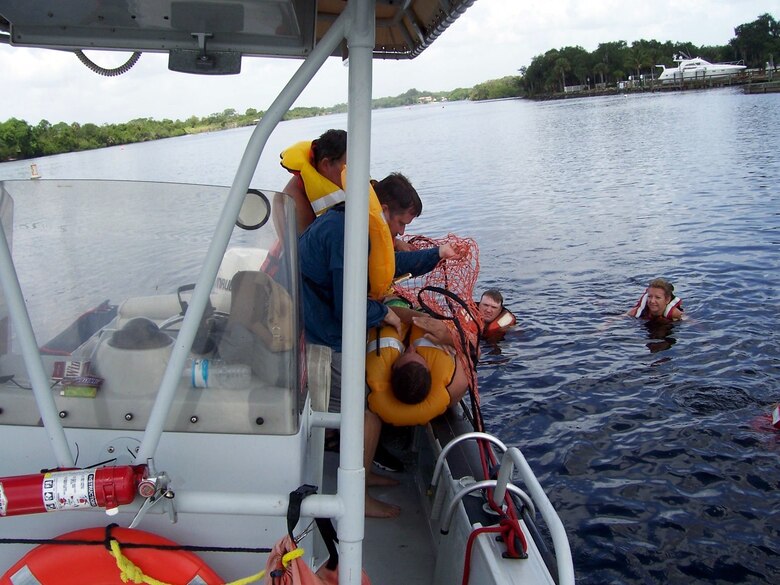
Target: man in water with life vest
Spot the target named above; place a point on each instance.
(658, 302)
(497, 319)
(321, 250)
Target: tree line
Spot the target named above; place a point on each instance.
(755, 43)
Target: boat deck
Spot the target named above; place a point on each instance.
(396, 551)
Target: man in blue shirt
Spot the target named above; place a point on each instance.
(321, 252)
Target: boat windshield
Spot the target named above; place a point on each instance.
(106, 269)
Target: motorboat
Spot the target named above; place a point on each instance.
(692, 69)
(121, 461)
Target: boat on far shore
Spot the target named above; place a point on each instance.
(697, 68)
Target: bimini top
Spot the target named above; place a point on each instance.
(233, 28)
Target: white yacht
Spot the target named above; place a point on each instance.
(691, 69)
(116, 468)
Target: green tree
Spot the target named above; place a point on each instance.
(602, 70)
(16, 139)
(561, 68)
(613, 55)
(757, 42)
(460, 93)
(637, 59)
(505, 87)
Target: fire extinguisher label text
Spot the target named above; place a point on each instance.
(69, 490)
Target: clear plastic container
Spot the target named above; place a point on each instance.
(203, 373)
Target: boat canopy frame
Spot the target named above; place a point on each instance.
(221, 30)
(360, 29)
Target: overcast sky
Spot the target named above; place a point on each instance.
(494, 38)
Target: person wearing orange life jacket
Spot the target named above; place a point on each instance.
(658, 302)
(413, 375)
(497, 319)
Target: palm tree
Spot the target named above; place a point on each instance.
(601, 69)
(638, 58)
(562, 66)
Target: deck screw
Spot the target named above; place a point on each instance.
(63, 413)
(129, 416)
(259, 420)
(193, 419)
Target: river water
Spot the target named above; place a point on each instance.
(654, 445)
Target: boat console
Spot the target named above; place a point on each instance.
(107, 363)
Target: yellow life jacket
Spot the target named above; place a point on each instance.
(321, 191)
(381, 253)
(379, 364)
(324, 194)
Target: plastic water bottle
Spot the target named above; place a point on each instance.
(203, 373)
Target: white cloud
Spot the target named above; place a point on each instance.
(494, 38)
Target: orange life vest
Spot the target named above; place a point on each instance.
(381, 353)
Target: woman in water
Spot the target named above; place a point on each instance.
(658, 302)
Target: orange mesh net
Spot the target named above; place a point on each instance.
(447, 293)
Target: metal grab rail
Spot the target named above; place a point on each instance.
(457, 440)
(512, 459)
(479, 485)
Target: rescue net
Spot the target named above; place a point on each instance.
(447, 293)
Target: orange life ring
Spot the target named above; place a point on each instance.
(76, 564)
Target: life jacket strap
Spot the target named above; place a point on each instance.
(423, 342)
(327, 201)
(385, 342)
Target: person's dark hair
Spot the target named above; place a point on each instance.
(411, 383)
(495, 294)
(331, 145)
(663, 284)
(397, 193)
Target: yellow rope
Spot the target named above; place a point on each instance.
(128, 572)
(290, 556)
(131, 573)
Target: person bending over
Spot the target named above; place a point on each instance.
(321, 251)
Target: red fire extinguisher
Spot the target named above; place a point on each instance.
(70, 489)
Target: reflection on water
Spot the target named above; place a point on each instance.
(646, 440)
(660, 331)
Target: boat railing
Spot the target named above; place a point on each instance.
(481, 485)
(512, 460)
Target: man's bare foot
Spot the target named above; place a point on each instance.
(378, 509)
(374, 479)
